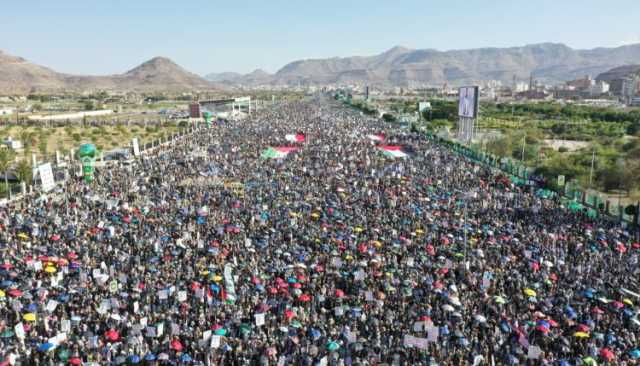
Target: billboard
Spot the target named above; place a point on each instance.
(468, 103)
(194, 110)
(424, 106)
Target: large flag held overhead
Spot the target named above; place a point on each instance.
(393, 151)
(295, 137)
(279, 152)
(377, 137)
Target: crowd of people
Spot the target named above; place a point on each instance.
(206, 251)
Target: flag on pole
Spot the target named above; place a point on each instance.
(393, 151)
(296, 137)
(377, 137)
(277, 152)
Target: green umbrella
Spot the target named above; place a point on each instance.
(245, 328)
(220, 332)
(64, 354)
(333, 346)
(7, 334)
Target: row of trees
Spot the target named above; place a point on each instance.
(616, 165)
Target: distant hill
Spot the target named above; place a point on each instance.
(257, 77)
(619, 73)
(18, 76)
(223, 77)
(401, 66)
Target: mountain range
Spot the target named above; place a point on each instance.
(401, 66)
(18, 76)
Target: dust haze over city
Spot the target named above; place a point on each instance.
(334, 183)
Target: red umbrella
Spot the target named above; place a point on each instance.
(617, 304)
(438, 285)
(597, 310)
(216, 326)
(75, 361)
(607, 354)
(255, 280)
(553, 323)
(288, 314)
(543, 329)
(6, 266)
(72, 255)
(176, 345)
(195, 286)
(583, 328)
(431, 250)
(339, 293)
(296, 285)
(15, 293)
(301, 278)
(273, 290)
(55, 237)
(304, 298)
(319, 268)
(112, 335)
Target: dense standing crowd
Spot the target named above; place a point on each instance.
(206, 253)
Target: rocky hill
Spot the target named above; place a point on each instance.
(18, 76)
(400, 66)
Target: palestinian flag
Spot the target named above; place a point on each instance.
(393, 151)
(378, 137)
(297, 137)
(280, 152)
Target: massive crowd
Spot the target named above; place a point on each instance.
(209, 252)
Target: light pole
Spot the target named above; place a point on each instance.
(593, 161)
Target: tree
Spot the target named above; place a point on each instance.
(89, 105)
(42, 147)
(24, 171)
(6, 158)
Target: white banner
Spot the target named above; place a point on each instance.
(46, 177)
(136, 148)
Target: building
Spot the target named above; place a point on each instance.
(582, 84)
(599, 88)
(7, 111)
(12, 144)
(635, 102)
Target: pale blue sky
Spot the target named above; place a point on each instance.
(112, 36)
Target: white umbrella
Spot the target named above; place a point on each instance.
(447, 308)
(480, 319)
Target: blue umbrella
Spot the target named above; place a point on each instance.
(46, 347)
(315, 334)
(635, 353)
(6, 283)
(32, 308)
(133, 359)
(150, 357)
(185, 358)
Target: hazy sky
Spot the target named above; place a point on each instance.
(112, 36)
